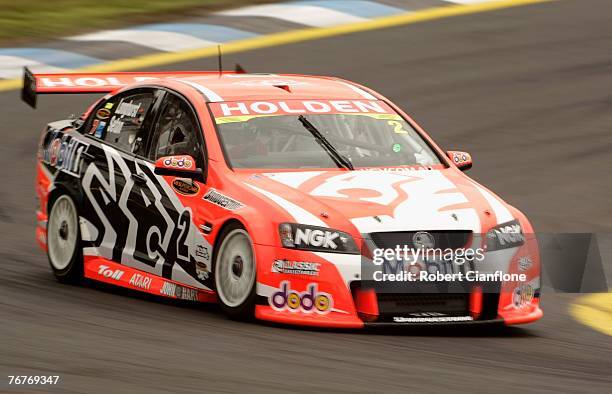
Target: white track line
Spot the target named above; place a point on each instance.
(297, 13)
(12, 67)
(161, 40)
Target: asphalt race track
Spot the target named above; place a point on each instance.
(526, 90)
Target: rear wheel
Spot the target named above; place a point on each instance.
(63, 240)
(235, 273)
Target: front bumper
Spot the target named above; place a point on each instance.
(291, 298)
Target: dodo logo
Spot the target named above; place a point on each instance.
(309, 301)
(179, 162)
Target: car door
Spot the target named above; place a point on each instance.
(175, 225)
(119, 129)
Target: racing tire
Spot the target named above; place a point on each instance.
(64, 240)
(235, 273)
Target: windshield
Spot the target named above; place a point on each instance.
(318, 134)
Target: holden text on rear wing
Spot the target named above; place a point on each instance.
(34, 84)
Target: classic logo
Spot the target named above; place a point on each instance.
(185, 187)
(103, 113)
(308, 301)
(295, 267)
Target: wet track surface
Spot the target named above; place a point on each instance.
(526, 90)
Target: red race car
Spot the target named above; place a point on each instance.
(289, 198)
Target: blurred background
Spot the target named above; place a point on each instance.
(523, 85)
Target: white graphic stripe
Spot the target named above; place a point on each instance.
(209, 94)
(160, 40)
(359, 90)
(297, 13)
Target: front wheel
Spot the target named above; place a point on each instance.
(63, 240)
(235, 273)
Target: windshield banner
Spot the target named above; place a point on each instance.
(297, 107)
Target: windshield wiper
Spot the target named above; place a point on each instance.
(337, 157)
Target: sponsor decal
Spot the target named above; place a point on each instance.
(522, 295)
(202, 270)
(163, 234)
(295, 267)
(221, 200)
(185, 187)
(128, 109)
(177, 291)
(115, 126)
(202, 262)
(94, 126)
(396, 148)
(108, 105)
(461, 157)
(138, 280)
(308, 301)
(179, 162)
(202, 252)
(315, 237)
(525, 263)
(103, 113)
(107, 272)
(54, 151)
(100, 129)
(292, 107)
(307, 237)
(65, 154)
(505, 235)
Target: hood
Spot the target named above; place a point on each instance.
(378, 201)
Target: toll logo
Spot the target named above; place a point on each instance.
(308, 301)
(107, 272)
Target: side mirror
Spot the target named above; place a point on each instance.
(462, 160)
(183, 166)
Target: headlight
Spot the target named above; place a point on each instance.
(504, 236)
(316, 239)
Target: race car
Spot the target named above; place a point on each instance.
(281, 197)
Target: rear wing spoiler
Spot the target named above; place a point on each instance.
(34, 84)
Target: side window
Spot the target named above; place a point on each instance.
(119, 121)
(176, 132)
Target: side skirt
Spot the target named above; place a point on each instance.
(103, 270)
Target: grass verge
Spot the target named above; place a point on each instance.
(25, 20)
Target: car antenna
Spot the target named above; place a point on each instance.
(220, 62)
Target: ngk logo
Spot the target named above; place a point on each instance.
(509, 234)
(317, 238)
(106, 272)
